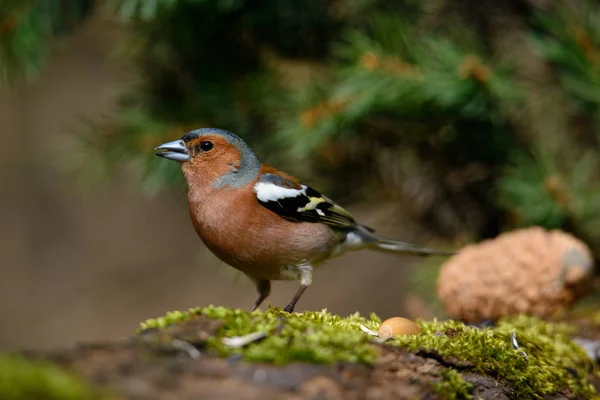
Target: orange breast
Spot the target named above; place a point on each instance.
(255, 240)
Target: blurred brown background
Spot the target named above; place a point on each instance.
(78, 267)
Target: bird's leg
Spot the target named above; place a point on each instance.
(290, 307)
(264, 289)
(305, 282)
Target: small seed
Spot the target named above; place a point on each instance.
(397, 326)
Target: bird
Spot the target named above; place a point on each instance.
(262, 221)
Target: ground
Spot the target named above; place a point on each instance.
(311, 356)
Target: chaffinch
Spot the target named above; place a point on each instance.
(260, 220)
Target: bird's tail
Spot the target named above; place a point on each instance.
(377, 242)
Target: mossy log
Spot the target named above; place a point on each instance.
(312, 355)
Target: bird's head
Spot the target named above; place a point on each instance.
(212, 157)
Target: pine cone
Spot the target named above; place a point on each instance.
(531, 271)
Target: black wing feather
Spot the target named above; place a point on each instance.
(306, 205)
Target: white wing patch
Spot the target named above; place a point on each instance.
(271, 192)
(352, 239)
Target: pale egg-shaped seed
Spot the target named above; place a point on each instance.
(397, 326)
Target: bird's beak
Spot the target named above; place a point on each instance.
(174, 150)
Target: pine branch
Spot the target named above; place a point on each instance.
(26, 30)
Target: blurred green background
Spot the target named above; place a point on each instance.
(440, 122)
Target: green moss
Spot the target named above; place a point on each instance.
(311, 336)
(453, 387)
(22, 379)
(552, 362)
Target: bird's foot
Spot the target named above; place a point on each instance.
(289, 308)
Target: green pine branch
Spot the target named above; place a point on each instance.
(27, 28)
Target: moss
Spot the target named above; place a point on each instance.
(22, 379)
(453, 387)
(318, 337)
(552, 362)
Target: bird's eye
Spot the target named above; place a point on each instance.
(206, 145)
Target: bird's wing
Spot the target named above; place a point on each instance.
(297, 202)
